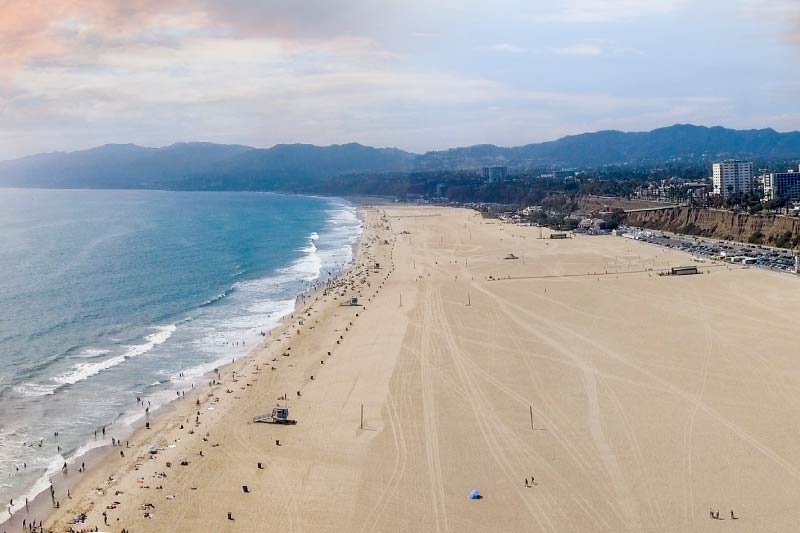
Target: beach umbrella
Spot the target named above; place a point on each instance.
(474, 494)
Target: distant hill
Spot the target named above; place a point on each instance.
(697, 143)
(116, 166)
(300, 167)
(308, 168)
(198, 166)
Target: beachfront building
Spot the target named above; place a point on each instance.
(731, 177)
(781, 185)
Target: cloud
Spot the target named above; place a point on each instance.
(507, 48)
(783, 13)
(586, 50)
(34, 29)
(229, 89)
(587, 11)
(76, 73)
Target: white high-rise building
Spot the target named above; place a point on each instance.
(732, 176)
(781, 184)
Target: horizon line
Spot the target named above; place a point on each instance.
(249, 147)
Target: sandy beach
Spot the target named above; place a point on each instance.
(573, 386)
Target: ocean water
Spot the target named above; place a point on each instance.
(110, 295)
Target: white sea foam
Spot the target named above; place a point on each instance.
(54, 464)
(35, 389)
(309, 266)
(91, 353)
(83, 371)
(274, 310)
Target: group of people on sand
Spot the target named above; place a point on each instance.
(31, 526)
(715, 514)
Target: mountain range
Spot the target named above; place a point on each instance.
(301, 167)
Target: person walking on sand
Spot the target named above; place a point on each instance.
(732, 516)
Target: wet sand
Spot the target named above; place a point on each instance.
(636, 401)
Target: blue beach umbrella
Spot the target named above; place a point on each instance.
(474, 494)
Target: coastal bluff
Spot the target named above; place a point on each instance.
(769, 229)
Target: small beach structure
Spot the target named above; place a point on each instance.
(559, 236)
(279, 415)
(684, 271)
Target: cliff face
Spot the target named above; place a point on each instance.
(772, 230)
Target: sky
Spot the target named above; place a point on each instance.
(414, 74)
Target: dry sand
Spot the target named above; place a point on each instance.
(652, 399)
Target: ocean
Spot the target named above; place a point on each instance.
(106, 296)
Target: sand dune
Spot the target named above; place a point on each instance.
(636, 401)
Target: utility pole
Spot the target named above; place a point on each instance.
(796, 262)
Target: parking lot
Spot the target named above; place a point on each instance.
(747, 254)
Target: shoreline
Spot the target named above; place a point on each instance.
(39, 506)
(103, 458)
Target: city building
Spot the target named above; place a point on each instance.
(494, 174)
(781, 184)
(731, 177)
(673, 190)
(559, 174)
